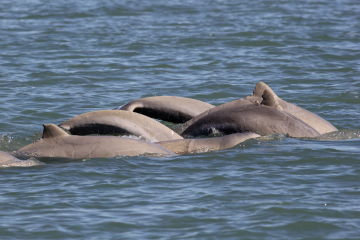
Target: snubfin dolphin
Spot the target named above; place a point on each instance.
(258, 114)
(168, 108)
(269, 98)
(55, 142)
(120, 122)
(200, 145)
(8, 160)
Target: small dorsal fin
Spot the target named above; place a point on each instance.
(267, 94)
(131, 106)
(52, 130)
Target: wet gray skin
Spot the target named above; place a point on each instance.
(8, 160)
(263, 113)
(271, 99)
(55, 142)
(119, 122)
(168, 108)
(199, 145)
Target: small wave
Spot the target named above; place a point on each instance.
(340, 135)
(6, 142)
(21, 163)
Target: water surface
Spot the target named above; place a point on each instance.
(63, 58)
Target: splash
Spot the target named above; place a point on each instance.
(21, 163)
(344, 134)
(6, 142)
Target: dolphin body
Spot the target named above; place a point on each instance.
(272, 100)
(168, 108)
(201, 145)
(8, 160)
(55, 142)
(119, 122)
(263, 113)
